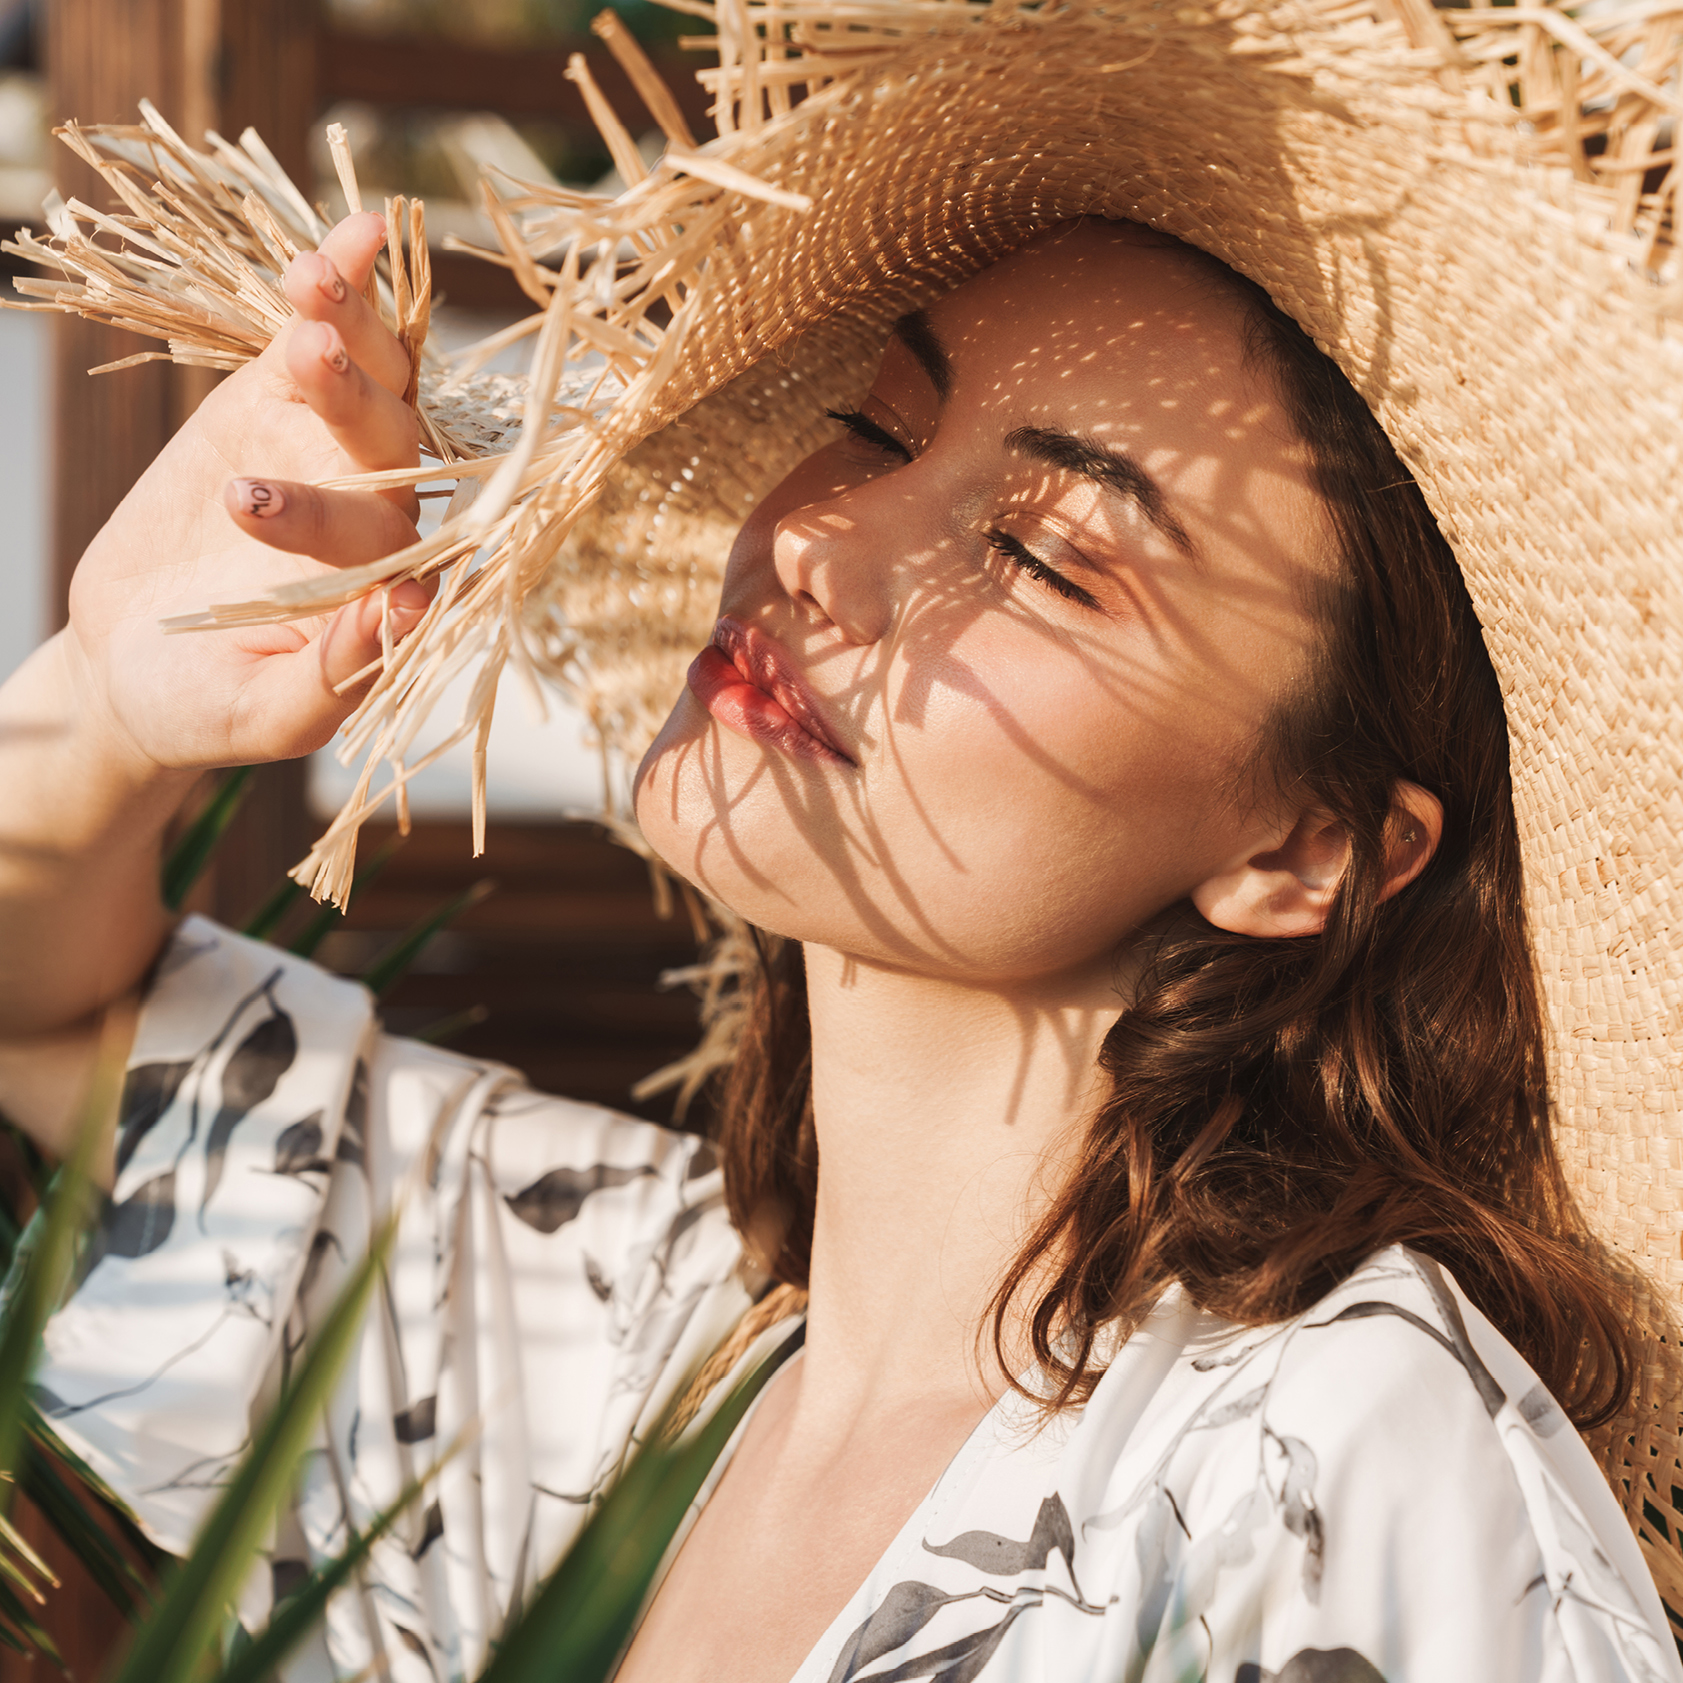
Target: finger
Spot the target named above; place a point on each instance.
(340, 528)
(353, 243)
(297, 694)
(320, 291)
(373, 427)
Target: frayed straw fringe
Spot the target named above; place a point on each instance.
(194, 258)
(197, 261)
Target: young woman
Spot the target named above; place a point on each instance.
(1138, 1152)
(1143, 1111)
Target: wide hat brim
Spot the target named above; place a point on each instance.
(1423, 204)
(1473, 211)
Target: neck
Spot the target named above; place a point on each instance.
(945, 1116)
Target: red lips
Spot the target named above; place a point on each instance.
(751, 686)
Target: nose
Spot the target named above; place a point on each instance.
(839, 564)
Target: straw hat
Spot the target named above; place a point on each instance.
(1475, 211)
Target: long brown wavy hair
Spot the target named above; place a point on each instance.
(1280, 1109)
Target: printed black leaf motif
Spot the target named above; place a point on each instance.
(1490, 1393)
(601, 1286)
(556, 1198)
(250, 1076)
(350, 1147)
(1541, 1412)
(967, 1656)
(1315, 1665)
(1003, 1556)
(287, 1577)
(1484, 1381)
(417, 1422)
(432, 1528)
(415, 1645)
(148, 1092)
(1300, 1514)
(298, 1148)
(134, 1228)
(901, 1614)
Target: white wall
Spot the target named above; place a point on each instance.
(535, 769)
(24, 560)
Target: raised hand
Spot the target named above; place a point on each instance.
(226, 512)
(104, 729)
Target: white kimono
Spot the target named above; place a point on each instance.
(1378, 1490)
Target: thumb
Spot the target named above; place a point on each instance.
(299, 699)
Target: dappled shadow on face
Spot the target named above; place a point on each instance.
(1047, 626)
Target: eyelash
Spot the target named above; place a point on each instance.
(1025, 558)
(867, 431)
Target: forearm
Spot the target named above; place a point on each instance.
(82, 820)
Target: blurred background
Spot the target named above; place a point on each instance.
(560, 965)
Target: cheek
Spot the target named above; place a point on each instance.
(1039, 803)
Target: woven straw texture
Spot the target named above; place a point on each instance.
(1473, 211)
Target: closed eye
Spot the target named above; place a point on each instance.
(864, 428)
(1030, 563)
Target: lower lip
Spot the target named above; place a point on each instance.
(750, 712)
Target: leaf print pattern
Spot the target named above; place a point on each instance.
(298, 1150)
(136, 1227)
(1265, 1505)
(148, 1091)
(1003, 1557)
(248, 1078)
(416, 1423)
(555, 1199)
(1315, 1665)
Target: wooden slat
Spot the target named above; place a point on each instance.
(566, 955)
(422, 71)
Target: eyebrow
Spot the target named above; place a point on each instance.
(1113, 469)
(914, 332)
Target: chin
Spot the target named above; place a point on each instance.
(712, 809)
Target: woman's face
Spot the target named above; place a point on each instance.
(989, 661)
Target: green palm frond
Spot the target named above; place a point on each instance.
(193, 852)
(39, 1270)
(192, 1607)
(579, 1620)
(393, 965)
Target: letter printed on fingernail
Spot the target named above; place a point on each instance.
(338, 359)
(258, 498)
(331, 283)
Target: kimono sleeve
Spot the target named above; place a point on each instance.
(1384, 1493)
(557, 1271)
(237, 1090)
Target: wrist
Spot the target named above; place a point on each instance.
(74, 772)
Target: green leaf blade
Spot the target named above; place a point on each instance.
(170, 1646)
(582, 1616)
(189, 857)
(392, 966)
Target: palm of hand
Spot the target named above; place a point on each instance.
(320, 402)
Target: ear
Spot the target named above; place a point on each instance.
(1287, 887)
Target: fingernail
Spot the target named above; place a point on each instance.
(338, 358)
(332, 283)
(258, 498)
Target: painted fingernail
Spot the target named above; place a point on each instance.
(338, 358)
(332, 283)
(258, 498)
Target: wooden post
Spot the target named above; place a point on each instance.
(222, 64)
